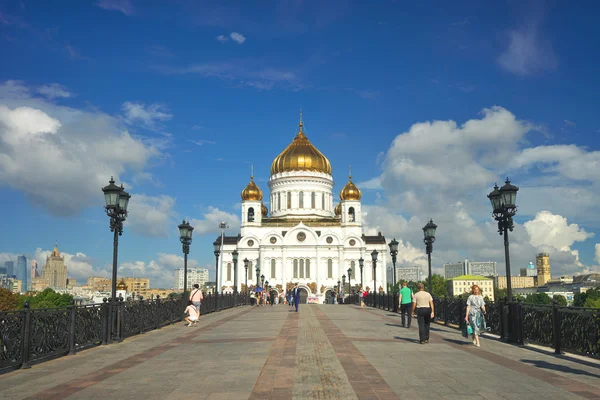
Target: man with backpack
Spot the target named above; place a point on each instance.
(406, 300)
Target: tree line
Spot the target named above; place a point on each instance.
(47, 298)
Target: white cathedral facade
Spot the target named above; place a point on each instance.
(306, 237)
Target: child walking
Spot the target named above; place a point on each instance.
(192, 318)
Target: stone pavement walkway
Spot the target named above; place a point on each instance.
(322, 352)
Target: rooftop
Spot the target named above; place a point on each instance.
(470, 278)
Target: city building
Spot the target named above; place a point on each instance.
(195, 275)
(10, 268)
(453, 270)
(408, 274)
(99, 284)
(530, 270)
(34, 270)
(137, 285)
(71, 283)
(17, 286)
(55, 271)
(481, 268)
(305, 237)
(517, 282)
(23, 272)
(462, 284)
(542, 261)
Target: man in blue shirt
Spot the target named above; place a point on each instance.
(406, 299)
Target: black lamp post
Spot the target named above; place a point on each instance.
(117, 200)
(262, 280)
(343, 285)
(394, 252)
(361, 264)
(234, 256)
(246, 264)
(257, 269)
(217, 247)
(185, 236)
(429, 233)
(349, 280)
(504, 209)
(374, 254)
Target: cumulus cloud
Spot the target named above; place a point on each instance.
(160, 271)
(149, 116)
(222, 38)
(209, 223)
(124, 6)
(79, 265)
(237, 37)
(150, 216)
(74, 150)
(54, 90)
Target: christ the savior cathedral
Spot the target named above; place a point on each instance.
(306, 237)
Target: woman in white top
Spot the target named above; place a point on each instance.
(475, 312)
(192, 318)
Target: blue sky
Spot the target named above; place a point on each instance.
(177, 99)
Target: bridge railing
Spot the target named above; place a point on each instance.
(30, 336)
(571, 329)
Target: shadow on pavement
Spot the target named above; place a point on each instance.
(558, 367)
(399, 326)
(407, 339)
(459, 342)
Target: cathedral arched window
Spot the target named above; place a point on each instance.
(229, 271)
(273, 268)
(330, 268)
(289, 200)
(296, 269)
(353, 267)
(251, 214)
(301, 269)
(313, 200)
(301, 200)
(250, 270)
(278, 201)
(307, 274)
(351, 215)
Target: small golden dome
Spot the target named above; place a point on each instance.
(338, 209)
(264, 210)
(252, 192)
(301, 155)
(122, 285)
(350, 191)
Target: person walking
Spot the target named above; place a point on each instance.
(333, 297)
(423, 308)
(406, 299)
(361, 293)
(196, 298)
(296, 296)
(475, 313)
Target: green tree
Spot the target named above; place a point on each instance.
(590, 299)
(499, 293)
(538, 298)
(562, 300)
(9, 301)
(439, 285)
(47, 298)
(579, 299)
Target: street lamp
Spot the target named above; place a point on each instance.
(504, 209)
(116, 199)
(349, 280)
(394, 252)
(217, 247)
(246, 264)
(429, 233)
(339, 290)
(374, 254)
(222, 227)
(343, 285)
(262, 280)
(185, 236)
(234, 256)
(257, 269)
(361, 264)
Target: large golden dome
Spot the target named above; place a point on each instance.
(350, 191)
(301, 155)
(252, 192)
(264, 210)
(338, 209)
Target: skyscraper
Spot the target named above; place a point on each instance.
(10, 267)
(542, 261)
(55, 270)
(22, 273)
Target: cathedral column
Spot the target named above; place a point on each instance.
(283, 270)
(318, 272)
(340, 262)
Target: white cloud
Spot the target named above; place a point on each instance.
(237, 37)
(148, 116)
(201, 142)
(527, 52)
(150, 215)
(79, 265)
(548, 229)
(212, 218)
(74, 150)
(222, 38)
(161, 271)
(54, 90)
(123, 6)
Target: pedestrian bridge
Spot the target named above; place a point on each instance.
(321, 352)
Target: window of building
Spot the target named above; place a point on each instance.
(289, 200)
(330, 268)
(273, 268)
(251, 214)
(301, 200)
(307, 268)
(313, 200)
(228, 271)
(351, 216)
(301, 269)
(296, 269)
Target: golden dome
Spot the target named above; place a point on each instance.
(264, 210)
(301, 155)
(252, 192)
(122, 285)
(338, 209)
(350, 191)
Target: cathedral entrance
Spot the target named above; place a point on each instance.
(303, 296)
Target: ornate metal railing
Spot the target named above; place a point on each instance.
(32, 336)
(537, 324)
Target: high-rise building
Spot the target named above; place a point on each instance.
(22, 272)
(55, 270)
(453, 270)
(10, 268)
(530, 270)
(542, 261)
(481, 268)
(408, 274)
(195, 275)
